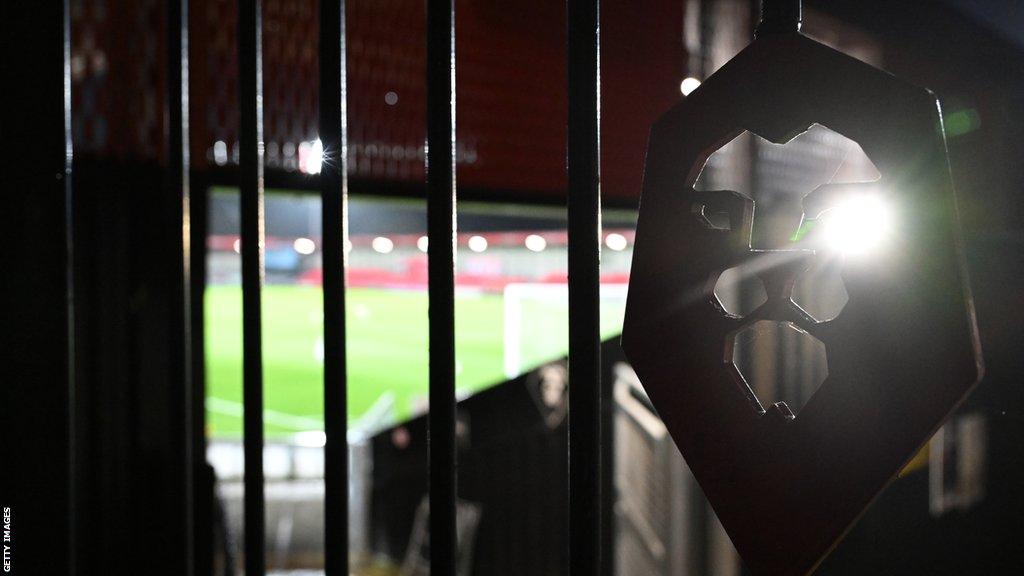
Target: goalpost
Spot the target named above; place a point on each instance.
(536, 325)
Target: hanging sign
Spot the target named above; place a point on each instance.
(902, 353)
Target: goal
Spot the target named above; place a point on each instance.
(536, 325)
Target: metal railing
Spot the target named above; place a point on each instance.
(583, 159)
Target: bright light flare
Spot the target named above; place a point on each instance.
(858, 225)
(423, 243)
(311, 156)
(688, 85)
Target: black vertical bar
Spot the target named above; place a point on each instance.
(334, 197)
(37, 338)
(69, 293)
(441, 267)
(250, 142)
(178, 186)
(584, 152)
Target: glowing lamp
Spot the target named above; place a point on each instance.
(859, 225)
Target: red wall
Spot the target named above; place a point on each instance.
(510, 77)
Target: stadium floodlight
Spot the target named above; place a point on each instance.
(304, 246)
(311, 156)
(237, 246)
(422, 243)
(536, 243)
(615, 241)
(383, 244)
(477, 243)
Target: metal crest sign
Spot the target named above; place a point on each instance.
(901, 355)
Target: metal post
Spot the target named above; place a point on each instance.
(250, 141)
(73, 496)
(441, 267)
(178, 185)
(584, 152)
(334, 212)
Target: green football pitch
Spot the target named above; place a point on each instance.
(387, 351)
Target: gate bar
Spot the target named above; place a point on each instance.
(74, 496)
(334, 213)
(250, 141)
(178, 185)
(584, 252)
(441, 267)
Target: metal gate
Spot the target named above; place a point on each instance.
(45, 334)
(583, 154)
